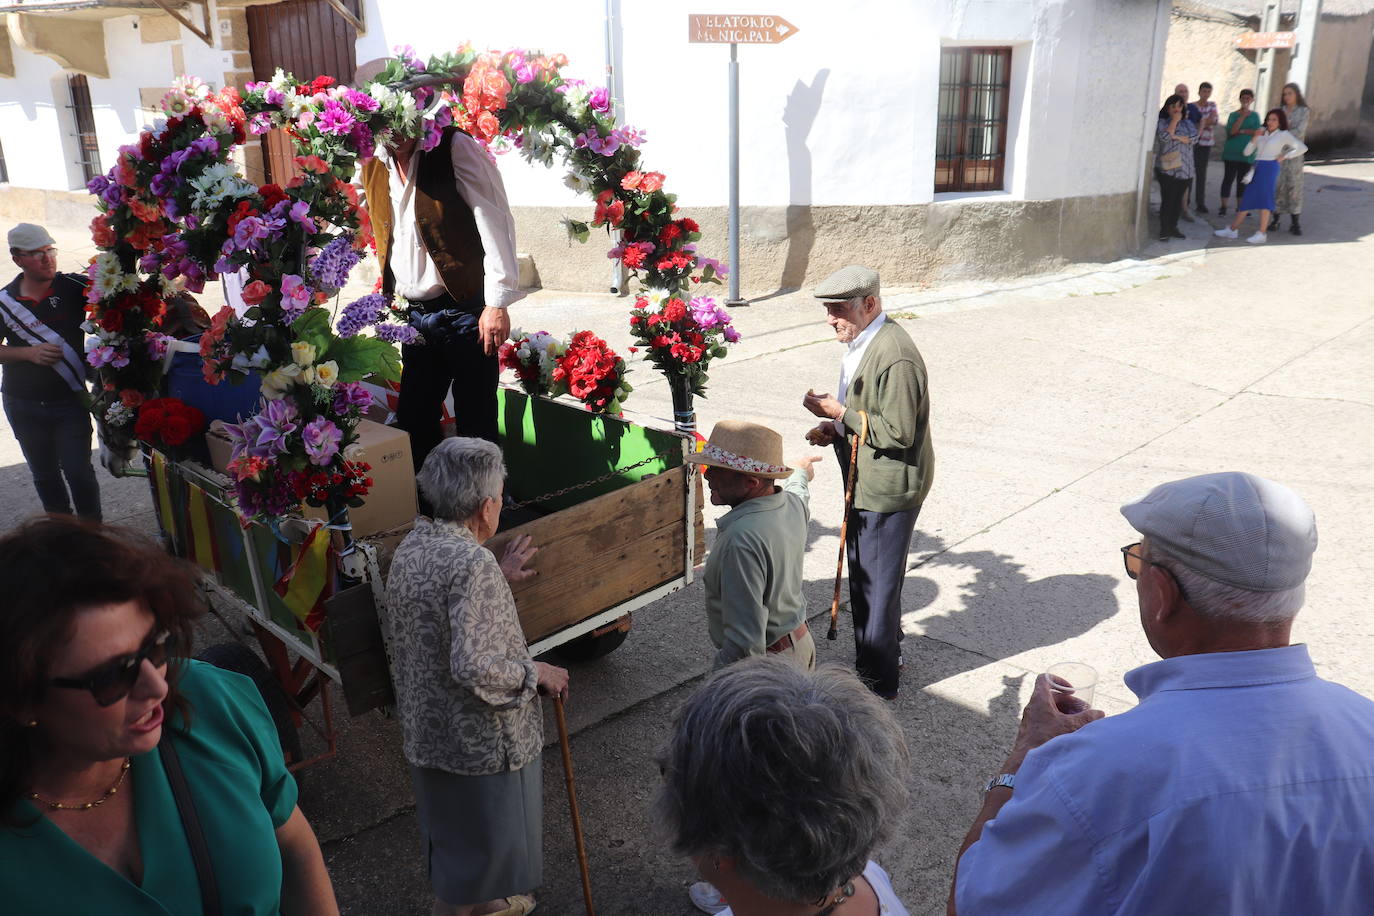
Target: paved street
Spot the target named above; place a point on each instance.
(1054, 401)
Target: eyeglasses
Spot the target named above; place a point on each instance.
(1135, 562)
(111, 682)
(39, 253)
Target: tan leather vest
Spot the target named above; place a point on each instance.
(446, 224)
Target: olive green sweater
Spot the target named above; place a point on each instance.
(897, 462)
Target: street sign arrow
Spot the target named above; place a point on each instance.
(734, 28)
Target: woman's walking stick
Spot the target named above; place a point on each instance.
(572, 804)
(844, 522)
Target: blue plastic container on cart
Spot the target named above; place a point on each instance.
(226, 401)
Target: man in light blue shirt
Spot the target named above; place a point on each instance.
(1240, 784)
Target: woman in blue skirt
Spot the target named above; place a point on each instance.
(1274, 144)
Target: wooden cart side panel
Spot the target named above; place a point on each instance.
(601, 552)
(553, 604)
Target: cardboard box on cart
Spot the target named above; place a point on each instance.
(391, 502)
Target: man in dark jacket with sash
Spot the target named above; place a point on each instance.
(46, 399)
(446, 244)
(884, 377)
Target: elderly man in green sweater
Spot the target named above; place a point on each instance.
(883, 398)
(754, 601)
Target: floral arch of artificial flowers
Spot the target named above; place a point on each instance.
(175, 207)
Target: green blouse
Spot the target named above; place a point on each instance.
(243, 793)
(1234, 149)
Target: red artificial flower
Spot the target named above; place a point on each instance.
(312, 164)
(255, 292)
(241, 212)
(131, 397)
(631, 181)
(272, 194)
(651, 182)
(669, 234)
(688, 225)
(101, 233)
(609, 209)
(112, 320)
(675, 310)
(633, 257)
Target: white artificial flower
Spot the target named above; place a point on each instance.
(327, 373)
(302, 353)
(352, 452)
(577, 182)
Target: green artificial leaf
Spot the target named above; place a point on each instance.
(312, 327)
(359, 357)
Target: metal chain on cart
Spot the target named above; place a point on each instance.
(661, 456)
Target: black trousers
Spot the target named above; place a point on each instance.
(1171, 191)
(451, 358)
(876, 548)
(55, 437)
(1235, 172)
(1201, 156)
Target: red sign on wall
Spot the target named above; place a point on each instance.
(728, 28)
(1259, 40)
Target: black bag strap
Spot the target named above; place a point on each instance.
(190, 822)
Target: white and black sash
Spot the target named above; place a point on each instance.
(25, 324)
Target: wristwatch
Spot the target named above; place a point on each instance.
(1005, 781)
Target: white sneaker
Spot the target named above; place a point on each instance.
(1226, 232)
(1259, 238)
(706, 898)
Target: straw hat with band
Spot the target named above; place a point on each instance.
(745, 447)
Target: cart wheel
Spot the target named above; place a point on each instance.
(592, 646)
(232, 656)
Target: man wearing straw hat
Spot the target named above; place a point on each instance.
(883, 400)
(754, 600)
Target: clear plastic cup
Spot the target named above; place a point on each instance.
(1073, 684)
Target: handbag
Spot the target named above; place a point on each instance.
(190, 822)
(1171, 161)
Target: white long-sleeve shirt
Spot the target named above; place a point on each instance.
(480, 185)
(1273, 146)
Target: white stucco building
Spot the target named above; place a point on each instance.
(1048, 109)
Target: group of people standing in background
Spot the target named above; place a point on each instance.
(1263, 160)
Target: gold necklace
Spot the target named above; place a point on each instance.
(109, 793)
(843, 895)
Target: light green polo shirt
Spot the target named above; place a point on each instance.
(243, 793)
(754, 573)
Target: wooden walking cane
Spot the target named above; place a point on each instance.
(844, 521)
(572, 804)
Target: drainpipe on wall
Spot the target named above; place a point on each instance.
(1264, 76)
(1147, 145)
(614, 85)
(1300, 63)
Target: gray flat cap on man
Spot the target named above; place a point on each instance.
(28, 237)
(849, 283)
(1233, 527)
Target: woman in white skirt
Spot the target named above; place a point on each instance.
(467, 690)
(1288, 195)
(1275, 144)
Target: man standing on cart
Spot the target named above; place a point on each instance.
(45, 394)
(446, 244)
(882, 399)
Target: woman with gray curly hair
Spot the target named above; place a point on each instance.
(779, 783)
(466, 689)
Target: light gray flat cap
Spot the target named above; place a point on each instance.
(848, 283)
(28, 237)
(1233, 527)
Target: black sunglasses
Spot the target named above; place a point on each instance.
(111, 682)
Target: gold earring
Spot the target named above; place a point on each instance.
(32, 723)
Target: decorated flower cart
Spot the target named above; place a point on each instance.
(294, 504)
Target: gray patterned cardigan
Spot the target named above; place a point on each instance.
(465, 683)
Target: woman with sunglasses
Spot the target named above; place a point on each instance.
(100, 715)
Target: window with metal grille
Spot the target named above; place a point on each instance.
(87, 149)
(971, 138)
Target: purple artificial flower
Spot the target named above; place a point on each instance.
(156, 345)
(720, 269)
(335, 119)
(300, 213)
(98, 354)
(193, 275)
(98, 184)
(423, 95)
(321, 439)
(731, 335)
(349, 396)
(412, 60)
(591, 139)
(599, 99)
(331, 266)
(360, 100)
(295, 295)
(361, 139)
(629, 136)
(274, 96)
(113, 194)
(132, 150)
(708, 313)
(276, 423)
(150, 263)
(361, 313)
(162, 186)
(243, 437)
(433, 134)
(204, 146)
(249, 230)
(398, 333)
(444, 116)
(260, 123)
(524, 74)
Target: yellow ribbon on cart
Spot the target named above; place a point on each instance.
(302, 588)
(162, 487)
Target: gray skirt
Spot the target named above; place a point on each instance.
(481, 836)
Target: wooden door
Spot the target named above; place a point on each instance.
(306, 38)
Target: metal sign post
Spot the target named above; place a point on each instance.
(736, 30)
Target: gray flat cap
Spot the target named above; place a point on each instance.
(848, 283)
(1233, 527)
(28, 237)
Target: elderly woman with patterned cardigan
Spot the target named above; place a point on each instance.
(466, 689)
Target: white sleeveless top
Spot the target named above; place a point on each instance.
(888, 904)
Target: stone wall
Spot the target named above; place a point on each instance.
(796, 247)
(1335, 88)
